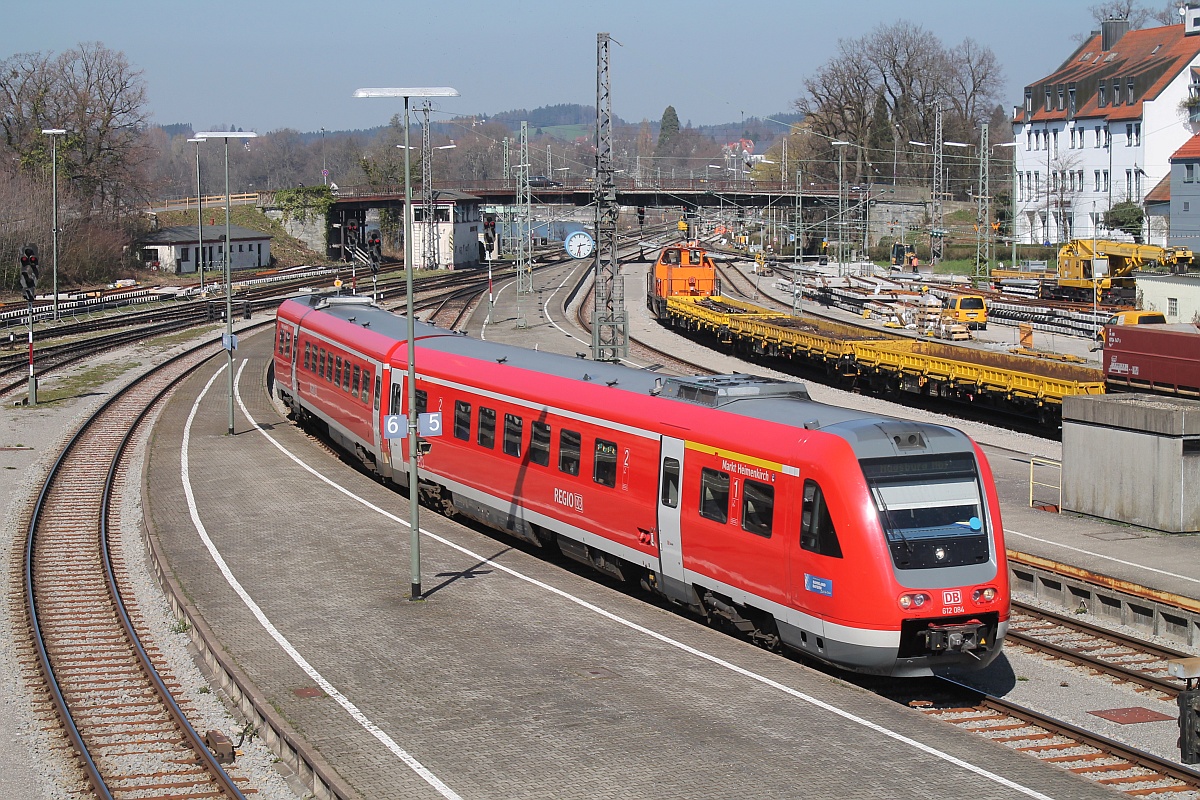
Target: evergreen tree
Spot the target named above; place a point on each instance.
(880, 141)
(668, 127)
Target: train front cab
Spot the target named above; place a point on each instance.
(936, 513)
(681, 270)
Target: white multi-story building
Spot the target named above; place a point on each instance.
(1101, 129)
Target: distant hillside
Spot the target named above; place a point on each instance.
(551, 116)
(568, 121)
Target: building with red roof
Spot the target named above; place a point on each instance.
(1102, 128)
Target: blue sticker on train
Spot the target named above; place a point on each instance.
(819, 585)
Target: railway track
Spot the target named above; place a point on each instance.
(1104, 761)
(1104, 651)
(111, 693)
(14, 368)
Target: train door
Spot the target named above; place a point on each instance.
(670, 538)
(293, 334)
(396, 406)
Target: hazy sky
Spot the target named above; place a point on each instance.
(264, 65)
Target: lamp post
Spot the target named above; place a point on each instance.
(199, 217)
(54, 133)
(324, 168)
(229, 342)
(410, 352)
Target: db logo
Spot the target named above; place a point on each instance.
(951, 598)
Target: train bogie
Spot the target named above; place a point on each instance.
(867, 542)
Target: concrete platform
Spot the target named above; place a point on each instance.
(516, 677)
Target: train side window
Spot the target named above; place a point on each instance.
(569, 451)
(462, 420)
(357, 380)
(714, 495)
(287, 345)
(397, 398)
(346, 376)
(337, 371)
(816, 526)
(758, 507)
(378, 383)
(422, 401)
(326, 365)
(279, 339)
(670, 483)
(604, 469)
(513, 426)
(307, 354)
(539, 444)
(486, 435)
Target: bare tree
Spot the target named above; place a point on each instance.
(913, 72)
(98, 98)
(1132, 10)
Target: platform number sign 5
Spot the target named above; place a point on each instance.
(395, 426)
(430, 424)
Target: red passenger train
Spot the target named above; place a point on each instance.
(868, 542)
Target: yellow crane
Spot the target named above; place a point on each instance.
(1101, 266)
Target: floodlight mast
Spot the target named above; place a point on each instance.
(410, 352)
(229, 342)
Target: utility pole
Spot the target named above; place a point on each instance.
(610, 325)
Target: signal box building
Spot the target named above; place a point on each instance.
(177, 249)
(1101, 129)
(458, 231)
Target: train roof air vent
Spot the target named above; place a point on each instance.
(717, 390)
(326, 301)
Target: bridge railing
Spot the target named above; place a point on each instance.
(691, 185)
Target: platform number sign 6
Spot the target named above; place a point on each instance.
(395, 426)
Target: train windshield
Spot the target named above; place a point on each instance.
(930, 509)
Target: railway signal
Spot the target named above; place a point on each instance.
(29, 271)
(375, 246)
(1189, 726)
(1189, 707)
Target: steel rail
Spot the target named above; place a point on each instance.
(1168, 686)
(95, 778)
(1120, 750)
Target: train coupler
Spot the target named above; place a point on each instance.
(960, 637)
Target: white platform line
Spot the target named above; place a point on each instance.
(1008, 531)
(327, 687)
(806, 698)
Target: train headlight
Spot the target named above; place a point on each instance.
(914, 600)
(985, 595)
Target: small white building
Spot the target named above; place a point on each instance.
(1177, 296)
(177, 249)
(1101, 129)
(458, 230)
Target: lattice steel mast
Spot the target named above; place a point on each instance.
(983, 213)
(524, 215)
(610, 329)
(937, 235)
(429, 256)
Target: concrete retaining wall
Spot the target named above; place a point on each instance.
(1133, 458)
